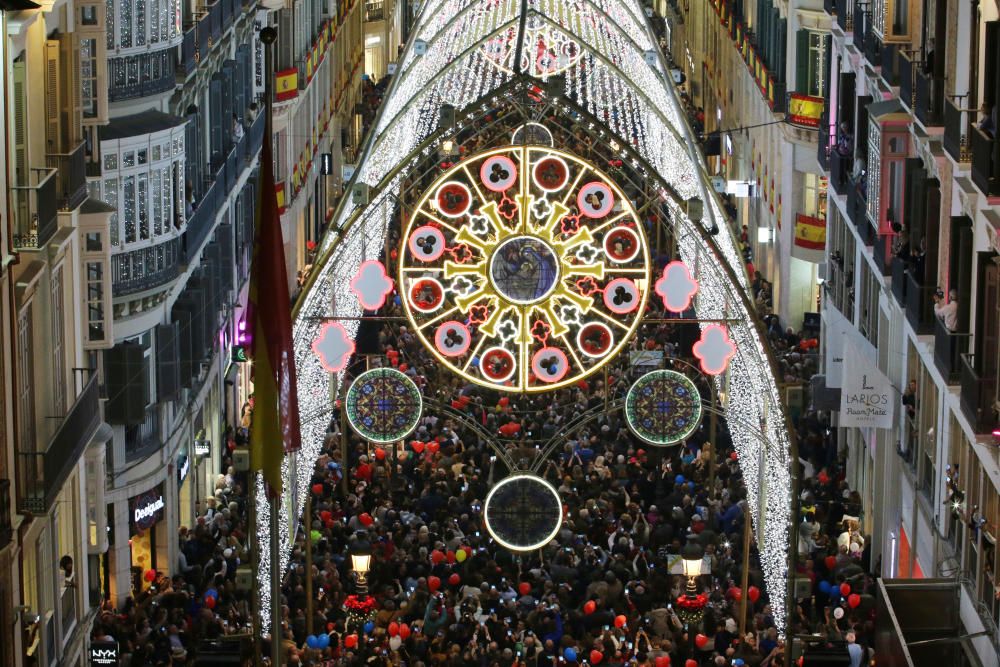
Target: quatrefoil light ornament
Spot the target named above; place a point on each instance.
(371, 284)
(676, 287)
(333, 347)
(714, 349)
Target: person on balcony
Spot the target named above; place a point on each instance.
(988, 121)
(237, 129)
(844, 139)
(947, 312)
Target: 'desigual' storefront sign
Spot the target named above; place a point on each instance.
(146, 509)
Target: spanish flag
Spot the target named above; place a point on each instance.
(279, 193)
(286, 84)
(309, 65)
(810, 232)
(275, 428)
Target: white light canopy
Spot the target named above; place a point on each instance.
(600, 66)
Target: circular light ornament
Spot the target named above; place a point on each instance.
(523, 512)
(546, 295)
(533, 133)
(595, 200)
(383, 405)
(663, 407)
(548, 50)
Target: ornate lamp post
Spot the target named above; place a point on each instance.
(360, 607)
(691, 605)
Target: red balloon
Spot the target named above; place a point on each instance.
(437, 557)
(734, 456)
(150, 575)
(433, 583)
(330, 627)
(457, 404)
(350, 641)
(454, 579)
(753, 593)
(404, 367)
(620, 621)
(504, 401)
(433, 447)
(589, 607)
(450, 557)
(853, 600)
(210, 602)
(393, 629)
(329, 523)
(366, 519)
(418, 446)
(524, 587)
(845, 588)
(831, 562)
(690, 663)
(700, 640)
(317, 489)
(464, 400)
(404, 631)
(596, 656)
(380, 454)
(662, 661)
(467, 550)
(326, 515)
(736, 593)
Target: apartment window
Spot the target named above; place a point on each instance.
(868, 322)
(111, 199)
(154, 21)
(142, 202)
(125, 23)
(140, 22)
(109, 19)
(874, 173)
(57, 334)
(88, 76)
(156, 199)
(128, 208)
(26, 380)
(810, 59)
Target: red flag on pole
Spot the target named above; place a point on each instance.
(275, 428)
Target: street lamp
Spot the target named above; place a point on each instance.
(692, 558)
(691, 605)
(361, 558)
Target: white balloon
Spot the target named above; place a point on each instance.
(396, 642)
(838, 613)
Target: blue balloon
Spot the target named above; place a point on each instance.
(475, 362)
(679, 479)
(312, 642)
(570, 654)
(332, 465)
(212, 593)
(824, 587)
(324, 641)
(369, 626)
(691, 485)
(738, 662)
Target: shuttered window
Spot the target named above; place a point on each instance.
(168, 374)
(126, 379)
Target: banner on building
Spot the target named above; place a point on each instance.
(286, 84)
(867, 398)
(836, 330)
(810, 232)
(804, 110)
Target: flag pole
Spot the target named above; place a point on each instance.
(268, 36)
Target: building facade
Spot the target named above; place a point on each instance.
(908, 137)
(753, 73)
(133, 139)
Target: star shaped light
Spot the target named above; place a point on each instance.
(333, 347)
(714, 349)
(371, 284)
(676, 287)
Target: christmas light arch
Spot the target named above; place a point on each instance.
(619, 77)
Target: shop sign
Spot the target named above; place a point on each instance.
(866, 396)
(202, 447)
(103, 653)
(183, 468)
(147, 509)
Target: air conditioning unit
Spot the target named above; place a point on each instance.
(359, 194)
(241, 459)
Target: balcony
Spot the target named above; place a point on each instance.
(374, 11)
(146, 268)
(919, 305)
(845, 14)
(882, 253)
(132, 76)
(41, 474)
(142, 437)
(189, 56)
(984, 162)
(202, 221)
(956, 128)
(949, 346)
(978, 395)
(840, 171)
(905, 62)
(71, 177)
(928, 99)
(899, 271)
(35, 210)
